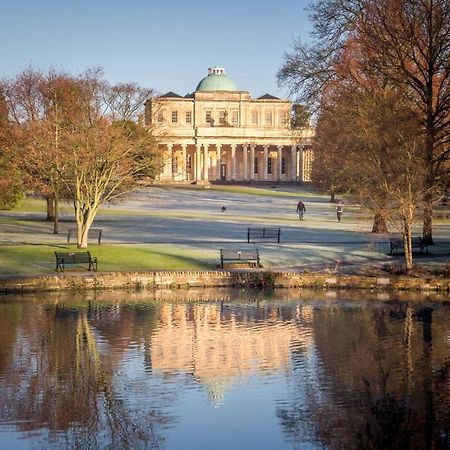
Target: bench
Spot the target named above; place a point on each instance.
(396, 244)
(97, 231)
(67, 258)
(238, 256)
(263, 233)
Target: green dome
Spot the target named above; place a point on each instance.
(216, 80)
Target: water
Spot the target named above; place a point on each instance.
(242, 370)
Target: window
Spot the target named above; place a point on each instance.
(255, 117)
(255, 166)
(174, 116)
(283, 166)
(269, 165)
(188, 116)
(268, 118)
(161, 116)
(208, 117)
(174, 164)
(222, 117)
(234, 118)
(283, 118)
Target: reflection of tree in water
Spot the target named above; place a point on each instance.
(374, 385)
(64, 380)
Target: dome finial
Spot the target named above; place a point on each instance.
(216, 71)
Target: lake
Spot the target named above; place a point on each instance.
(224, 370)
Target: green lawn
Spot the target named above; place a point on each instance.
(40, 259)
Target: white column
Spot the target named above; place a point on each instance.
(205, 162)
(218, 159)
(280, 155)
(266, 158)
(170, 157)
(301, 164)
(252, 162)
(198, 167)
(183, 162)
(245, 160)
(233, 161)
(294, 163)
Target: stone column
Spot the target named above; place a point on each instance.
(280, 156)
(252, 162)
(198, 166)
(171, 154)
(218, 160)
(301, 164)
(233, 161)
(245, 161)
(205, 162)
(183, 162)
(294, 163)
(266, 159)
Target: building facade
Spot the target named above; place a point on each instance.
(219, 133)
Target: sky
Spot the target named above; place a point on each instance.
(166, 45)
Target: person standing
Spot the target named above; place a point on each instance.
(301, 209)
(339, 212)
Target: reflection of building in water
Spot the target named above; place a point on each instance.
(217, 345)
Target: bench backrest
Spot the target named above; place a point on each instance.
(73, 258)
(264, 232)
(417, 240)
(239, 254)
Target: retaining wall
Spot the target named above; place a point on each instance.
(216, 279)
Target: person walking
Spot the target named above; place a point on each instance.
(301, 209)
(339, 212)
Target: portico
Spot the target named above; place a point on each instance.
(218, 133)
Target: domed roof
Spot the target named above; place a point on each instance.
(216, 80)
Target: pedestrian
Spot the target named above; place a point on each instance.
(339, 212)
(301, 209)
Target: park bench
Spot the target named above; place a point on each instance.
(240, 256)
(68, 258)
(396, 244)
(263, 233)
(96, 231)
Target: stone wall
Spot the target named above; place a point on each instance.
(216, 279)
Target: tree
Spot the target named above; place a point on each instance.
(11, 185)
(81, 139)
(107, 154)
(404, 41)
(368, 138)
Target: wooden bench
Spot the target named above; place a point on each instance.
(97, 231)
(396, 244)
(240, 256)
(263, 233)
(67, 258)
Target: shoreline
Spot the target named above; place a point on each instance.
(237, 278)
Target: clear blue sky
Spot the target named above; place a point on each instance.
(160, 44)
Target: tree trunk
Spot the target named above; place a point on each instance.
(332, 196)
(50, 208)
(379, 223)
(56, 218)
(84, 222)
(427, 230)
(407, 246)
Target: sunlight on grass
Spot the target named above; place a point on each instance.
(40, 259)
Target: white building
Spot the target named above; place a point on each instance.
(219, 133)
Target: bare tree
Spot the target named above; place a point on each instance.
(404, 41)
(81, 139)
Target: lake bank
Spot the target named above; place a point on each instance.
(237, 278)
